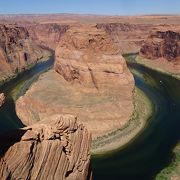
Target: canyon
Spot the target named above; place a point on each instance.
(91, 80)
(161, 51)
(17, 50)
(90, 90)
(162, 45)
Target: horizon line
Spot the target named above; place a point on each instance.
(88, 14)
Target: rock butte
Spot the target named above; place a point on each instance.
(91, 81)
(55, 148)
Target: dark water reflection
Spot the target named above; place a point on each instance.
(151, 151)
(8, 117)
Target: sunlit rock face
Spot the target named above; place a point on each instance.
(88, 56)
(17, 51)
(162, 44)
(91, 81)
(48, 34)
(55, 148)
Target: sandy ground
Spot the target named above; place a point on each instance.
(120, 137)
(161, 65)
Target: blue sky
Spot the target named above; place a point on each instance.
(109, 7)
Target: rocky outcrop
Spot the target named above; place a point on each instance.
(91, 81)
(48, 34)
(2, 99)
(162, 45)
(55, 148)
(17, 51)
(128, 37)
(88, 56)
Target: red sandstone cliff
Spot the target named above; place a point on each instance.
(162, 45)
(47, 34)
(128, 37)
(92, 83)
(55, 148)
(17, 51)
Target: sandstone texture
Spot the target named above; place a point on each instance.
(47, 34)
(2, 99)
(127, 37)
(91, 81)
(17, 51)
(55, 148)
(162, 45)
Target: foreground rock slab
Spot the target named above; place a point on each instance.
(55, 148)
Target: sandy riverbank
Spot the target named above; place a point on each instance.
(119, 138)
(162, 66)
(6, 77)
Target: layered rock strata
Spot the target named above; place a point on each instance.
(128, 37)
(48, 34)
(17, 51)
(55, 148)
(162, 45)
(91, 81)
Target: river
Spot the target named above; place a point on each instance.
(16, 87)
(149, 152)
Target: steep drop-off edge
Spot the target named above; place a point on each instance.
(110, 142)
(55, 148)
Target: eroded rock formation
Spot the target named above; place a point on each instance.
(48, 34)
(93, 83)
(88, 56)
(162, 45)
(128, 37)
(55, 148)
(17, 51)
(2, 99)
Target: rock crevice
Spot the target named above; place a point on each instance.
(55, 148)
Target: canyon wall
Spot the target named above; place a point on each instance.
(17, 51)
(128, 37)
(55, 148)
(92, 82)
(48, 34)
(162, 44)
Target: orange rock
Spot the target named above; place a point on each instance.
(2, 99)
(17, 51)
(162, 44)
(92, 83)
(55, 148)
